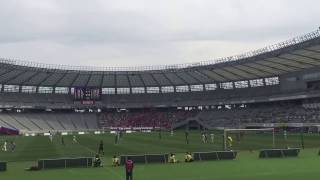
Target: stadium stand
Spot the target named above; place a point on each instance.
(44, 122)
(145, 118)
(279, 112)
(276, 84)
(219, 116)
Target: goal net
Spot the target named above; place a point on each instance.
(248, 138)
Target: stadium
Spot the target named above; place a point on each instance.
(266, 100)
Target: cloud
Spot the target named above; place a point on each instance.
(147, 32)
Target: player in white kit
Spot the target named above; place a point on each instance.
(4, 147)
(212, 138)
(74, 139)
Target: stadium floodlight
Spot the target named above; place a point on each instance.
(226, 131)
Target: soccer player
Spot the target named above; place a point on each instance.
(203, 138)
(206, 137)
(172, 158)
(116, 137)
(101, 149)
(286, 138)
(285, 135)
(62, 140)
(97, 161)
(160, 135)
(115, 161)
(51, 137)
(129, 169)
(120, 134)
(4, 147)
(187, 137)
(12, 146)
(229, 139)
(74, 139)
(188, 157)
(212, 138)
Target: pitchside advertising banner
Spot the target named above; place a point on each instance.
(8, 131)
(87, 95)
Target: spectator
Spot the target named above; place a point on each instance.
(129, 169)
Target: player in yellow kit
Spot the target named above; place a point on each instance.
(188, 157)
(172, 158)
(115, 161)
(229, 140)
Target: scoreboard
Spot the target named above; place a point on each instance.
(86, 94)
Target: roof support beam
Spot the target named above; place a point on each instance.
(298, 55)
(185, 82)
(144, 85)
(203, 74)
(270, 71)
(71, 84)
(174, 89)
(305, 56)
(6, 71)
(221, 75)
(241, 77)
(31, 77)
(101, 80)
(5, 82)
(253, 70)
(154, 79)
(272, 67)
(215, 77)
(130, 86)
(86, 85)
(115, 83)
(200, 81)
(310, 50)
(253, 74)
(299, 62)
(55, 84)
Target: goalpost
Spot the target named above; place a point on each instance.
(226, 131)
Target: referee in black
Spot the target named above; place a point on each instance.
(101, 150)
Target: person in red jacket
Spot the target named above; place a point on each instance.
(129, 169)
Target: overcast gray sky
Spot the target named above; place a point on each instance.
(147, 32)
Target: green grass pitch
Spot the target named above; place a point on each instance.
(247, 166)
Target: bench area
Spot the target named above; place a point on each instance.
(65, 163)
(215, 155)
(145, 159)
(279, 153)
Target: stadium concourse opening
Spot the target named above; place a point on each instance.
(180, 118)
